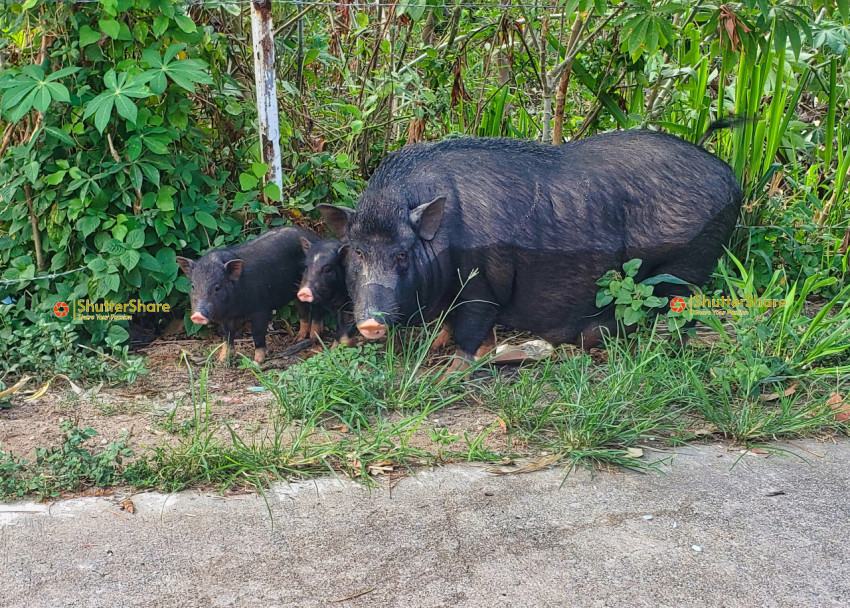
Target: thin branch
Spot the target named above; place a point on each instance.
(568, 60)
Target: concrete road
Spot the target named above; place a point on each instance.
(772, 531)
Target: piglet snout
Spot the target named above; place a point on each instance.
(305, 294)
(199, 318)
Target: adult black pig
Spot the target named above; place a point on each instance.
(540, 223)
(249, 280)
(323, 284)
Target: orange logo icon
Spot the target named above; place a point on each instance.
(677, 304)
(61, 309)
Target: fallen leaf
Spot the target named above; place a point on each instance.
(16, 387)
(840, 407)
(128, 505)
(758, 451)
(634, 453)
(786, 393)
(529, 468)
(502, 425)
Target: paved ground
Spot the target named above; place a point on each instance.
(772, 531)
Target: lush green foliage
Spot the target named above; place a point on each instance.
(128, 126)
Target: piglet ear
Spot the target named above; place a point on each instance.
(234, 269)
(426, 218)
(343, 250)
(305, 244)
(186, 265)
(337, 218)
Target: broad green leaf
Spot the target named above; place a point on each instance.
(205, 219)
(126, 108)
(151, 173)
(160, 24)
(101, 117)
(135, 239)
(259, 169)
(110, 27)
(58, 91)
(88, 36)
(116, 334)
(631, 267)
(247, 181)
(87, 225)
(97, 264)
(60, 135)
(185, 23)
(158, 144)
(272, 191)
(129, 259)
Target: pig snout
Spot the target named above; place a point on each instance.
(372, 330)
(198, 318)
(305, 294)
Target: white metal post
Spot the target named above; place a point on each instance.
(264, 74)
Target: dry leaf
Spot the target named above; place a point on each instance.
(634, 453)
(840, 407)
(758, 451)
(502, 425)
(77, 390)
(786, 393)
(128, 505)
(14, 389)
(529, 468)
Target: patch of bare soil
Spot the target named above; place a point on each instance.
(147, 407)
(161, 407)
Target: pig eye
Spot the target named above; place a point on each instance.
(327, 269)
(359, 253)
(401, 260)
(217, 287)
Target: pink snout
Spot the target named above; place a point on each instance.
(372, 330)
(305, 294)
(199, 318)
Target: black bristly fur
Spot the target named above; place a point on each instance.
(272, 266)
(325, 277)
(540, 223)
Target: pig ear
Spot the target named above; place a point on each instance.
(234, 269)
(305, 244)
(343, 251)
(426, 218)
(336, 218)
(185, 265)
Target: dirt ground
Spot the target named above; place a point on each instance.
(146, 408)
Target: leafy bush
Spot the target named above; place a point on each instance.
(69, 467)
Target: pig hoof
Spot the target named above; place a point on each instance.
(223, 353)
(460, 364)
(259, 354)
(303, 329)
(441, 340)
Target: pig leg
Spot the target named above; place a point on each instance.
(346, 329)
(259, 326)
(488, 345)
(303, 320)
(473, 324)
(317, 322)
(228, 332)
(442, 338)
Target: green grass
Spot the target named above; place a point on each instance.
(368, 411)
